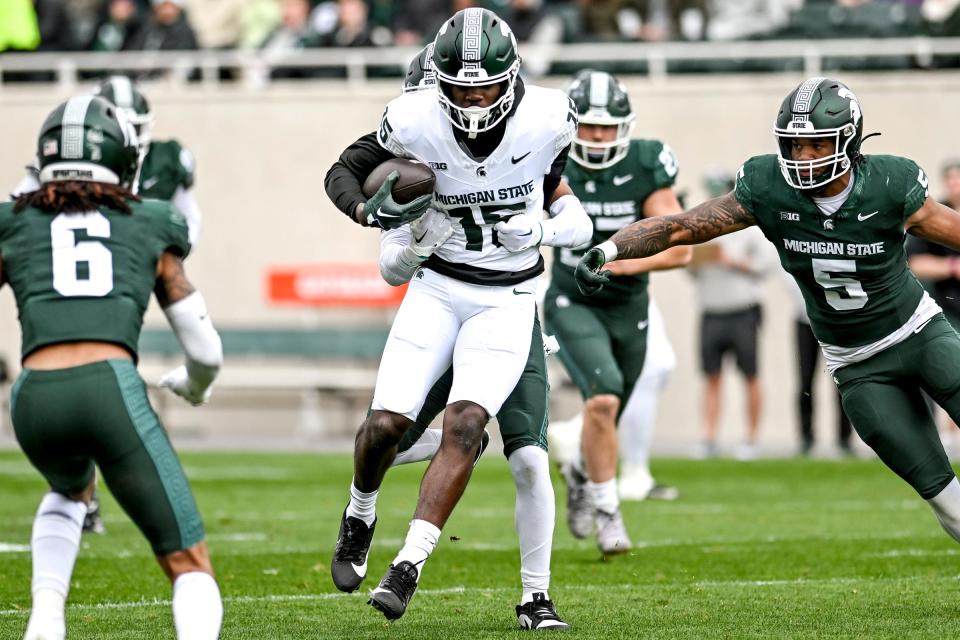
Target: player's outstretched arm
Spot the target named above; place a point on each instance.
(650, 236)
(187, 314)
(936, 222)
(344, 180)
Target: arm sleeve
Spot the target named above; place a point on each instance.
(552, 179)
(343, 181)
(917, 189)
(398, 262)
(184, 201)
(742, 190)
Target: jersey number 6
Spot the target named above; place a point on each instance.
(81, 268)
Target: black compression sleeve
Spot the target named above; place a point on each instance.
(345, 178)
(552, 180)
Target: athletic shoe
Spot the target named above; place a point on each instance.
(484, 443)
(612, 535)
(93, 521)
(396, 589)
(746, 452)
(540, 615)
(49, 629)
(579, 508)
(349, 564)
(663, 492)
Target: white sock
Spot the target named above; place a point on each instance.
(638, 420)
(362, 505)
(197, 608)
(946, 506)
(55, 542)
(534, 518)
(604, 495)
(421, 539)
(423, 449)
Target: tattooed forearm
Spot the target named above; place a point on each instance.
(172, 284)
(701, 223)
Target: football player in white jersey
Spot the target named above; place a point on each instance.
(498, 149)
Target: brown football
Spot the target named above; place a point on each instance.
(416, 179)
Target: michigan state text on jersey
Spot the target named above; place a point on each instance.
(603, 339)
(82, 255)
(498, 149)
(837, 219)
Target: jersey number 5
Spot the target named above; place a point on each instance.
(81, 268)
(842, 293)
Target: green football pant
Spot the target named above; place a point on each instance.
(523, 416)
(68, 419)
(882, 396)
(602, 347)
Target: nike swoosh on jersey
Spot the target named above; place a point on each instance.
(621, 180)
(643, 324)
(146, 184)
(520, 293)
(515, 160)
(861, 217)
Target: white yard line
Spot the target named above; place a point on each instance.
(313, 597)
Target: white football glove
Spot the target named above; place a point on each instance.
(429, 232)
(179, 382)
(550, 345)
(519, 232)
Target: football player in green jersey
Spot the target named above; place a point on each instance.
(166, 167)
(837, 219)
(82, 254)
(603, 338)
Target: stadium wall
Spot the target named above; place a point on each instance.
(261, 157)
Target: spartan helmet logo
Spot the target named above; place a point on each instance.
(828, 224)
(481, 172)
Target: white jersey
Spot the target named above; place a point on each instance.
(479, 194)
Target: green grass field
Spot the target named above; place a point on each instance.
(771, 549)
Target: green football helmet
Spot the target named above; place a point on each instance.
(476, 48)
(420, 73)
(819, 108)
(122, 92)
(87, 138)
(600, 99)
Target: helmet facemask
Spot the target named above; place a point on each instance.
(475, 119)
(601, 155)
(813, 174)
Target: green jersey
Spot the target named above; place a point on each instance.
(851, 265)
(613, 198)
(167, 167)
(86, 276)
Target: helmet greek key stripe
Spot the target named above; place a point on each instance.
(472, 32)
(599, 89)
(801, 103)
(122, 91)
(71, 127)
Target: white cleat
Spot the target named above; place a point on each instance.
(46, 627)
(612, 535)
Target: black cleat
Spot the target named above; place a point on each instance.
(540, 615)
(484, 443)
(396, 589)
(93, 521)
(349, 564)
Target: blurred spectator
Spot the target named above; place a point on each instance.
(729, 274)
(350, 27)
(217, 23)
(54, 23)
(167, 29)
(18, 25)
(259, 19)
(808, 352)
(417, 21)
(742, 19)
(119, 21)
(293, 33)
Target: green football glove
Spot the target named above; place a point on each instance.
(383, 211)
(589, 277)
